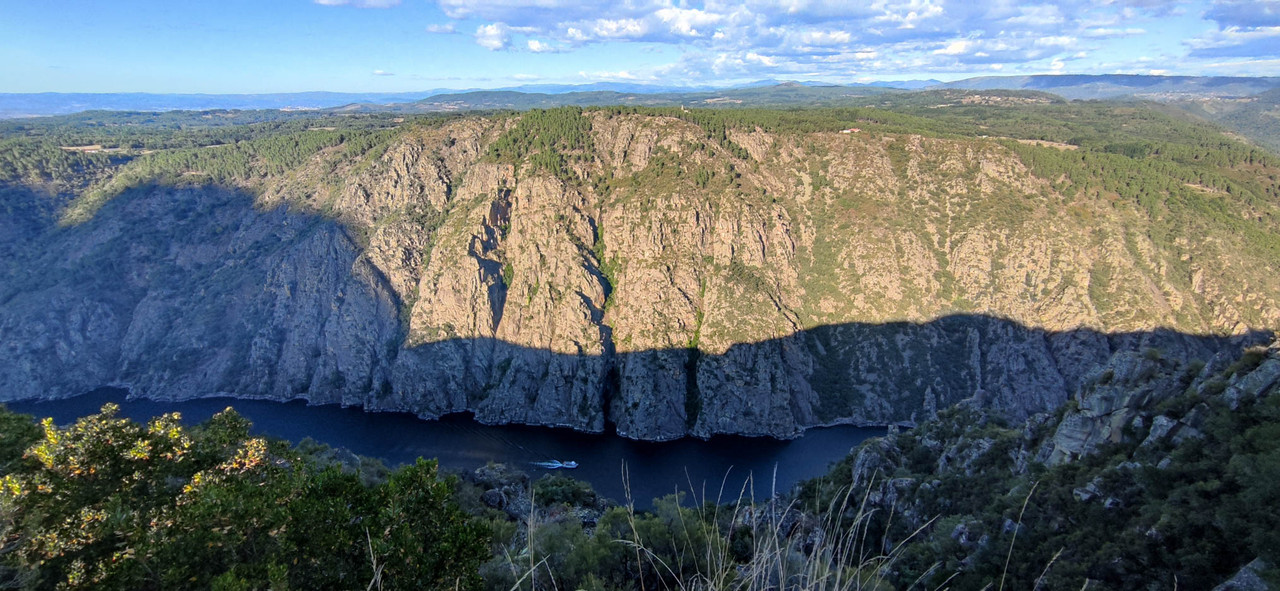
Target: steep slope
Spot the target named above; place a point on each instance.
(1154, 472)
(665, 272)
(186, 292)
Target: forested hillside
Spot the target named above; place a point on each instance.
(1254, 117)
(661, 271)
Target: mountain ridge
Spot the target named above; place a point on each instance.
(1070, 86)
(390, 275)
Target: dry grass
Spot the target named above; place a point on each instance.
(791, 551)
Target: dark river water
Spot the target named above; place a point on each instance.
(460, 443)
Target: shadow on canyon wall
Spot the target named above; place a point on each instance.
(857, 373)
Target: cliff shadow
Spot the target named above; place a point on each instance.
(853, 373)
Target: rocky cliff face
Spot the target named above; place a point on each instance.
(181, 293)
(1112, 471)
(658, 283)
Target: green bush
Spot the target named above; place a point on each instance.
(107, 503)
(556, 490)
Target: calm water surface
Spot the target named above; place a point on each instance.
(460, 443)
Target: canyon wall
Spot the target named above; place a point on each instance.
(660, 283)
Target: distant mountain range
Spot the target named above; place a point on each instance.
(786, 94)
(57, 103)
(759, 93)
(1125, 85)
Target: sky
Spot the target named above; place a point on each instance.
(261, 46)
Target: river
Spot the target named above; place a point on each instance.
(718, 468)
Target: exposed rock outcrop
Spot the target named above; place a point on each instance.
(660, 284)
(184, 293)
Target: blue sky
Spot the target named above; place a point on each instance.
(234, 46)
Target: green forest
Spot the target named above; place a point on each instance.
(72, 151)
(1150, 157)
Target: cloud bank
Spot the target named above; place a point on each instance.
(838, 39)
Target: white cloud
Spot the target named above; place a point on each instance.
(1044, 14)
(1104, 32)
(843, 40)
(1255, 42)
(617, 28)
(537, 46)
(687, 21)
(1245, 13)
(823, 38)
(957, 47)
(906, 15)
(441, 28)
(383, 73)
(1059, 41)
(493, 37)
(1233, 36)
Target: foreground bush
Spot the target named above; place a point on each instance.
(108, 503)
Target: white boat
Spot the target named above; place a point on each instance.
(556, 464)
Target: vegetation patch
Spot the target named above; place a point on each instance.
(108, 503)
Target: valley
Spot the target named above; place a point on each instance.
(658, 272)
(548, 295)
